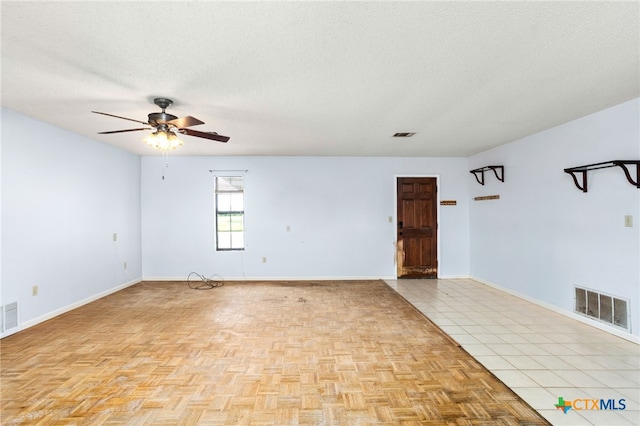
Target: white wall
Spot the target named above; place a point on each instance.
(543, 235)
(63, 197)
(338, 210)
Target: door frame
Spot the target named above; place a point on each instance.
(395, 217)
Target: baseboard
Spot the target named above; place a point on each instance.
(603, 327)
(53, 314)
(270, 278)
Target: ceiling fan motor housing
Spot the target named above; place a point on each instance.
(161, 118)
(158, 118)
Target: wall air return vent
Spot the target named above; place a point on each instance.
(603, 307)
(9, 314)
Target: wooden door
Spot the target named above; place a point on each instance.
(417, 226)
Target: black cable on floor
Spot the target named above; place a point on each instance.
(205, 283)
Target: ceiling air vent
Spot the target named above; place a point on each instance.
(404, 134)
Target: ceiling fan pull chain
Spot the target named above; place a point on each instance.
(165, 162)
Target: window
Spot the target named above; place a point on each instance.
(229, 213)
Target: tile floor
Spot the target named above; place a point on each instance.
(540, 354)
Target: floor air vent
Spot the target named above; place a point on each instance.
(603, 307)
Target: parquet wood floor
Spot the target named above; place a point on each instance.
(263, 353)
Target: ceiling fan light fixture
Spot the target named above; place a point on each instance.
(163, 140)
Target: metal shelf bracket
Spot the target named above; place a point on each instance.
(479, 173)
(582, 171)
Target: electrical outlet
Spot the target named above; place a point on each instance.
(628, 221)
(115, 237)
(125, 265)
(34, 290)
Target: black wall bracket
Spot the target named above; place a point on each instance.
(479, 173)
(582, 170)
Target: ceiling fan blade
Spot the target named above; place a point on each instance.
(122, 131)
(117, 116)
(185, 122)
(207, 135)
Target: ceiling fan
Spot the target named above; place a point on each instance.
(165, 125)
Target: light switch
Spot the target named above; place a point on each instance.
(628, 221)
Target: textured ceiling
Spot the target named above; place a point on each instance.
(321, 78)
